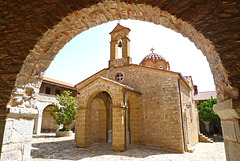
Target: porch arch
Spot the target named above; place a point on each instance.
(94, 119)
(78, 21)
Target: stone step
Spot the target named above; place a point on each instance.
(203, 138)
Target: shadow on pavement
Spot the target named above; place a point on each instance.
(67, 150)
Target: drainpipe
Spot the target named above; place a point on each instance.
(179, 90)
(125, 120)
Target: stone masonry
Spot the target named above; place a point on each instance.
(32, 33)
(151, 106)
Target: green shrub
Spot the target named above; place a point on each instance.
(64, 129)
(65, 112)
(206, 112)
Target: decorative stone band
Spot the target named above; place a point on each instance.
(14, 112)
(120, 62)
(228, 109)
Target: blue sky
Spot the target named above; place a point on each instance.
(89, 52)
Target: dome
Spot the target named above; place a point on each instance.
(155, 61)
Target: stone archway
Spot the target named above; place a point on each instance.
(94, 121)
(54, 39)
(101, 116)
(48, 124)
(210, 27)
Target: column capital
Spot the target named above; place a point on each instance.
(15, 112)
(114, 41)
(228, 109)
(126, 38)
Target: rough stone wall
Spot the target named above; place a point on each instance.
(48, 121)
(120, 62)
(159, 103)
(93, 88)
(16, 133)
(95, 121)
(194, 126)
(47, 28)
(17, 141)
(134, 117)
(188, 104)
(90, 79)
(40, 51)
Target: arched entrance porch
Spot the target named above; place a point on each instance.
(103, 99)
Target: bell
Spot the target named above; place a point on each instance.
(120, 44)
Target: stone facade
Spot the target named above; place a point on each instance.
(44, 122)
(32, 33)
(17, 129)
(151, 106)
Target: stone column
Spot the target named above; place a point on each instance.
(135, 122)
(83, 128)
(16, 129)
(38, 123)
(207, 125)
(118, 129)
(113, 50)
(103, 125)
(229, 112)
(125, 47)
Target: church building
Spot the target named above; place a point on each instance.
(136, 104)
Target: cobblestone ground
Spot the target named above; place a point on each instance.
(49, 147)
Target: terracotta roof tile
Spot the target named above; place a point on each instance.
(201, 96)
(58, 82)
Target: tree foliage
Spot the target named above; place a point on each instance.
(64, 112)
(206, 112)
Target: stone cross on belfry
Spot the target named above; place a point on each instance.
(152, 50)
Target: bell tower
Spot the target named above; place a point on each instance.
(120, 38)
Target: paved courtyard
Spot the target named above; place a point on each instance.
(49, 147)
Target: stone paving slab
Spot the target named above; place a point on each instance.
(49, 147)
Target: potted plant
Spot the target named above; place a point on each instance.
(64, 112)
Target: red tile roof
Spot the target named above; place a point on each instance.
(46, 79)
(201, 96)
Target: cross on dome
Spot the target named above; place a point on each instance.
(152, 50)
